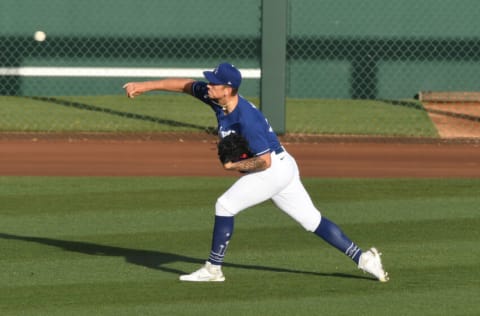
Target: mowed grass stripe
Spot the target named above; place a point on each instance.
(445, 302)
(87, 257)
(272, 239)
(332, 294)
(286, 250)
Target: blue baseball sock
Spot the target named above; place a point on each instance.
(332, 234)
(222, 232)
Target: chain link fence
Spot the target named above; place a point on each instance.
(375, 68)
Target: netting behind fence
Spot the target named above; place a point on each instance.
(353, 68)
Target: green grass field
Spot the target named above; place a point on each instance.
(174, 113)
(115, 246)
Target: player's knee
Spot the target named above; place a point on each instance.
(310, 223)
(222, 207)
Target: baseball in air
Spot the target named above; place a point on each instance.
(39, 36)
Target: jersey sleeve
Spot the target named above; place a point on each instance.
(256, 134)
(200, 91)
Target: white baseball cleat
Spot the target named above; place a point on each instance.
(207, 273)
(370, 262)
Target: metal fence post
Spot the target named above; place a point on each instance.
(273, 81)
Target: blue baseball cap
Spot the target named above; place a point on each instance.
(225, 74)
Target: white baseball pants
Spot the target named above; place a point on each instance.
(281, 183)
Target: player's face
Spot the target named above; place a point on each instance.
(217, 91)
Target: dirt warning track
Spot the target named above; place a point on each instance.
(197, 158)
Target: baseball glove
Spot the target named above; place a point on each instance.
(233, 148)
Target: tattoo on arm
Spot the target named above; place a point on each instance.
(251, 164)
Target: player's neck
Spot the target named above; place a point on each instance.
(229, 104)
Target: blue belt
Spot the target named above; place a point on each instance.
(279, 150)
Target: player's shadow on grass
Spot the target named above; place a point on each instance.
(153, 259)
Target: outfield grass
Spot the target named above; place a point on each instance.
(162, 113)
(115, 246)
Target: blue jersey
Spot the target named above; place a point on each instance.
(245, 120)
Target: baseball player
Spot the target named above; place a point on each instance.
(271, 173)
